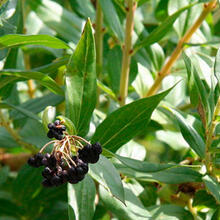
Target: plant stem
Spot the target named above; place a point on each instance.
(191, 209)
(15, 135)
(209, 138)
(99, 33)
(208, 7)
(127, 51)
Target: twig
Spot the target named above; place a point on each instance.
(99, 44)
(210, 138)
(127, 51)
(208, 7)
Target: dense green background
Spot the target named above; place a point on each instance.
(154, 149)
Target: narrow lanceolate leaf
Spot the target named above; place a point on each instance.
(112, 18)
(133, 209)
(134, 117)
(81, 82)
(213, 186)
(174, 175)
(62, 21)
(143, 166)
(217, 67)
(17, 40)
(105, 173)
(23, 111)
(158, 33)
(41, 78)
(81, 199)
(190, 135)
(198, 86)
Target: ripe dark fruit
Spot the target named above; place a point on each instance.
(50, 134)
(56, 180)
(52, 161)
(47, 183)
(57, 122)
(47, 172)
(32, 162)
(72, 172)
(97, 148)
(56, 130)
(61, 166)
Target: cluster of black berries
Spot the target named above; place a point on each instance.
(90, 153)
(57, 172)
(56, 130)
(61, 166)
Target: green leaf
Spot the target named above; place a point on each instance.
(8, 208)
(212, 186)
(217, 67)
(105, 173)
(6, 139)
(133, 209)
(190, 134)
(27, 184)
(134, 117)
(37, 105)
(111, 18)
(187, 18)
(81, 199)
(202, 198)
(68, 123)
(17, 40)
(198, 86)
(33, 133)
(81, 82)
(4, 172)
(159, 32)
(169, 212)
(173, 175)
(58, 18)
(21, 110)
(107, 90)
(114, 58)
(141, 166)
(41, 78)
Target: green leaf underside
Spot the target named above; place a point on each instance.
(190, 134)
(112, 18)
(174, 175)
(213, 186)
(81, 199)
(158, 33)
(105, 173)
(199, 88)
(134, 117)
(217, 67)
(133, 209)
(17, 40)
(41, 78)
(23, 111)
(169, 211)
(81, 82)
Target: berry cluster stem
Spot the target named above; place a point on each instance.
(208, 7)
(127, 51)
(210, 137)
(6, 124)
